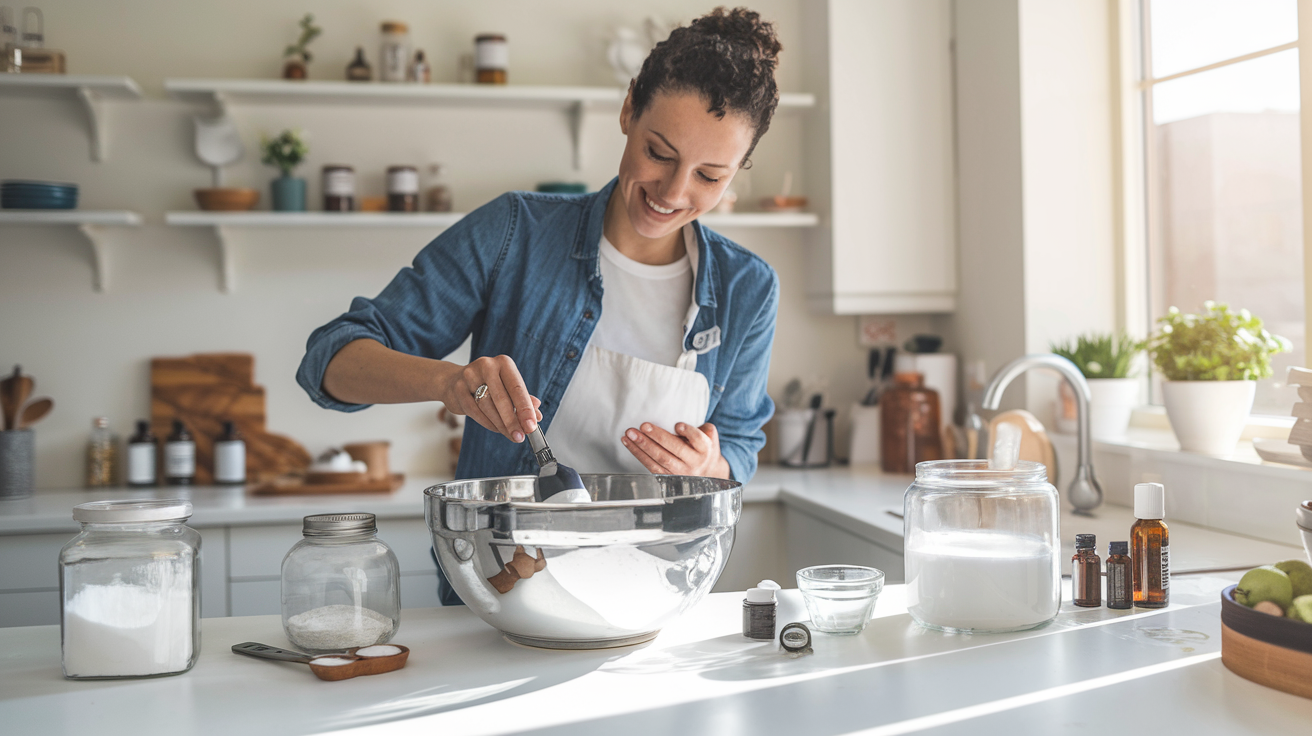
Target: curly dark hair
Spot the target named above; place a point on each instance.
(726, 56)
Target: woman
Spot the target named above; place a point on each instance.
(639, 338)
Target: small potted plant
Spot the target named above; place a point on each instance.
(298, 54)
(286, 151)
(1106, 361)
(1211, 363)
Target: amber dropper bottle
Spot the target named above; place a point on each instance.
(1086, 572)
(1150, 548)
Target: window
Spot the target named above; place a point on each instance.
(1220, 85)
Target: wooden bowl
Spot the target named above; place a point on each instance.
(1270, 650)
(227, 199)
(783, 204)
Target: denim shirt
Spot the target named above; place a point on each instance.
(521, 274)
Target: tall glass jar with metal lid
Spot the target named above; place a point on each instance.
(982, 547)
(340, 585)
(129, 586)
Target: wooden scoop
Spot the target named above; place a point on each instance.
(355, 666)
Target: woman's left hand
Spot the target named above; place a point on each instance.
(692, 451)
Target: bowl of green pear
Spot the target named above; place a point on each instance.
(1266, 626)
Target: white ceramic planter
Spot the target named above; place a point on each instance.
(1112, 400)
(1208, 416)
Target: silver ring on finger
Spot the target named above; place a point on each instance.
(480, 392)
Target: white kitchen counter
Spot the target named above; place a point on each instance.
(1091, 671)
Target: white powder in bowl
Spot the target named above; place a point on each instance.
(339, 627)
(331, 661)
(380, 650)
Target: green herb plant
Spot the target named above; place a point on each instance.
(1217, 345)
(1100, 355)
(286, 151)
(309, 32)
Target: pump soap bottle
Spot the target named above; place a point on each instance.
(1150, 549)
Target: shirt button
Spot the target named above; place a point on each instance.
(587, 314)
(572, 354)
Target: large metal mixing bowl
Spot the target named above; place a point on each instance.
(583, 576)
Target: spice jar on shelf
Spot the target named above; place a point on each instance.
(340, 585)
(394, 54)
(402, 189)
(491, 58)
(338, 188)
(130, 590)
(102, 455)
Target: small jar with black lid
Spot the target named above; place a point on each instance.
(340, 585)
(338, 188)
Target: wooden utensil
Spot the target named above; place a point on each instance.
(356, 667)
(35, 412)
(206, 390)
(14, 391)
(1034, 442)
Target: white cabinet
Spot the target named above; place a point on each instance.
(880, 157)
(815, 542)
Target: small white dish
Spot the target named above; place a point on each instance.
(1280, 451)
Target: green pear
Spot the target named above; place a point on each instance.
(1301, 609)
(1265, 583)
(1300, 575)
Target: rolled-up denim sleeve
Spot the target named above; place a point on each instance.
(429, 308)
(746, 406)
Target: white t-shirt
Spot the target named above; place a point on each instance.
(643, 307)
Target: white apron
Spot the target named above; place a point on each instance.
(611, 392)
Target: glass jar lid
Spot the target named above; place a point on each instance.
(339, 525)
(132, 511)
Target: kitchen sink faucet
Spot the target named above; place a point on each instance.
(1084, 492)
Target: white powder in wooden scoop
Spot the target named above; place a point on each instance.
(379, 650)
(338, 627)
(331, 661)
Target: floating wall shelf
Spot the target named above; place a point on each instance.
(90, 223)
(90, 90)
(224, 222)
(573, 101)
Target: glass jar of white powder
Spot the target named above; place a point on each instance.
(340, 585)
(129, 587)
(982, 547)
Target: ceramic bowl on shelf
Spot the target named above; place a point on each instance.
(227, 199)
(608, 573)
(17, 194)
(783, 204)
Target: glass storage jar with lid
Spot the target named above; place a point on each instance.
(340, 585)
(129, 587)
(982, 547)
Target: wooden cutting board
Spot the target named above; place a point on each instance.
(204, 391)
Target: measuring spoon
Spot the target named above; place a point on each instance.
(342, 666)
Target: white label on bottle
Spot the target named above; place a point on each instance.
(141, 463)
(180, 459)
(1166, 568)
(339, 183)
(391, 64)
(492, 55)
(403, 181)
(230, 462)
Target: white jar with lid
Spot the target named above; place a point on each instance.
(340, 585)
(982, 547)
(130, 591)
(394, 53)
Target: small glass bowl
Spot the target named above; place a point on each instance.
(840, 598)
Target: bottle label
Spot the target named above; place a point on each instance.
(339, 183)
(180, 459)
(403, 181)
(230, 462)
(1166, 568)
(1118, 585)
(141, 463)
(492, 55)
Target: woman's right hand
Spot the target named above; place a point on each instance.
(506, 406)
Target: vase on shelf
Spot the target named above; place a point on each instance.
(1208, 417)
(288, 194)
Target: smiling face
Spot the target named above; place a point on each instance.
(677, 162)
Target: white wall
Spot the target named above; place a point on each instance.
(90, 351)
(1035, 181)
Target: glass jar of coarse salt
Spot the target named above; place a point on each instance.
(129, 590)
(340, 585)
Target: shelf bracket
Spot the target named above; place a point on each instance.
(227, 269)
(94, 235)
(91, 103)
(577, 116)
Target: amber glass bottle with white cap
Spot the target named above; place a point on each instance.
(1150, 547)
(129, 584)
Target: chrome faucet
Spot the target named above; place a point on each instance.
(1084, 492)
